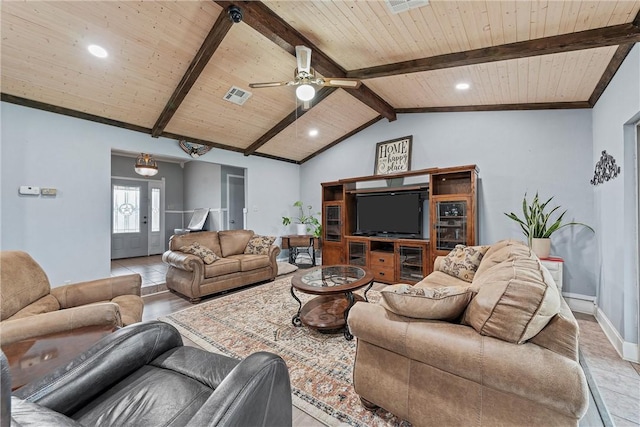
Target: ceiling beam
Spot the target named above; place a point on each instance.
(262, 19)
(210, 44)
(12, 99)
(589, 39)
(498, 107)
(615, 63)
(284, 123)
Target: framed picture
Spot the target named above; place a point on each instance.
(393, 156)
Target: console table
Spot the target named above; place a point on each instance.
(301, 244)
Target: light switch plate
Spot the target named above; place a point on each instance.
(29, 190)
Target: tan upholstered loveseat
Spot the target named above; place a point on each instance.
(189, 275)
(31, 308)
(490, 366)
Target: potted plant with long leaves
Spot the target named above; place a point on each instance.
(306, 222)
(538, 226)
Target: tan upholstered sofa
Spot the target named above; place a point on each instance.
(30, 308)
(510, 358)
(189, 275)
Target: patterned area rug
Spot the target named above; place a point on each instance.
(320, 365)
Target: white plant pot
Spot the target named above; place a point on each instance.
(541, 247)
(301, 229)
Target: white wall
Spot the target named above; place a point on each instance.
(69, 235)
(616, 200)
(202, 185)
(516, 151)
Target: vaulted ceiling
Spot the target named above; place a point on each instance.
(171, 64)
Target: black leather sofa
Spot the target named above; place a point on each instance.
(142, 375)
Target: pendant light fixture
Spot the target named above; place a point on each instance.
(146, 165)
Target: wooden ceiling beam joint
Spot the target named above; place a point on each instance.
(210, 44)
(262, 19)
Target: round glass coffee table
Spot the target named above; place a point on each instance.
(335, 285)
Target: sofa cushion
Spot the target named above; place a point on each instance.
(221, 267)
(463, 261)
(43, 305)
(259, 245)
(445, 303)
(208, 239)
(250, 262)
(502, 251)
(233, 242)
(438, 279)
(515, 300)
(22, 282)
(206, 254)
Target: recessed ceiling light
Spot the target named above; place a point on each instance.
(98, 51)
(462, 86)
(313, 132)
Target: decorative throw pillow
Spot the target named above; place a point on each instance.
(259, 245)
(463, 261)
(207, 255)
(444, 303)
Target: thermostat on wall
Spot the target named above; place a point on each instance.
(29, 190)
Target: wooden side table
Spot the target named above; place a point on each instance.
(555, 266)
(301, 244)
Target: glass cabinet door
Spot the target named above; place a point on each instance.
(333, 227)
(450, 224)
(357, 253)
(411, 265)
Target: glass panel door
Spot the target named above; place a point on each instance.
(358, 253)
(451, 224)
(411, 267)
(333, 229)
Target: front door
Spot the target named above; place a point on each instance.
(129, 218)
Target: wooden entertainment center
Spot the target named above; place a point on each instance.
(451, 195)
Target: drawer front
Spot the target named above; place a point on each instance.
(552, 266)
(381, 259)
(383, 274)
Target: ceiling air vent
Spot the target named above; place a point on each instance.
(237, 95)
(397, 6)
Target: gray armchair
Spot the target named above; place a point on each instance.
(142, 375)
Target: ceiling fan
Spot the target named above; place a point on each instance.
(305, 78)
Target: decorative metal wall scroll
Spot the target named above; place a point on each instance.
(606, 169)
(194, 150)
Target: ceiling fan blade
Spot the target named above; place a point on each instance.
(269, 84)
(303, 57)
(337, 82)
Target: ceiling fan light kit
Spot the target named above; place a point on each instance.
(305, 92)
(305, 78)
(146, 165)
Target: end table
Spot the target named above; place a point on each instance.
(555, 266)
(301, 244)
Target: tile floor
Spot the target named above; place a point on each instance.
(618, 381)
(151, 268)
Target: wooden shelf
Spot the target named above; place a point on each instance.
(417, 187)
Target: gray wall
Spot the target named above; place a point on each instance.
(69, 235)
(614, 118)
(516, 151)
(202, 185)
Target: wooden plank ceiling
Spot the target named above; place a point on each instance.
(171, 63)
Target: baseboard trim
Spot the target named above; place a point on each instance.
(580, 303)
(627, 350)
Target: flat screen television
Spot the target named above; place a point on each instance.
(395, 214)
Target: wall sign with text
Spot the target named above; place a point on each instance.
(393, 156)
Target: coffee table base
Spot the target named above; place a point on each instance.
(327, 313)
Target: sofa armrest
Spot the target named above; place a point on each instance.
(526, 370)
(183, 261)
(274, 251)
(103, 314)
(260, 381)
(438, 262)
(78, 294)
(93, 372)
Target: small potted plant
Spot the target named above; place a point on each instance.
(538, 226)
(305, 222)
